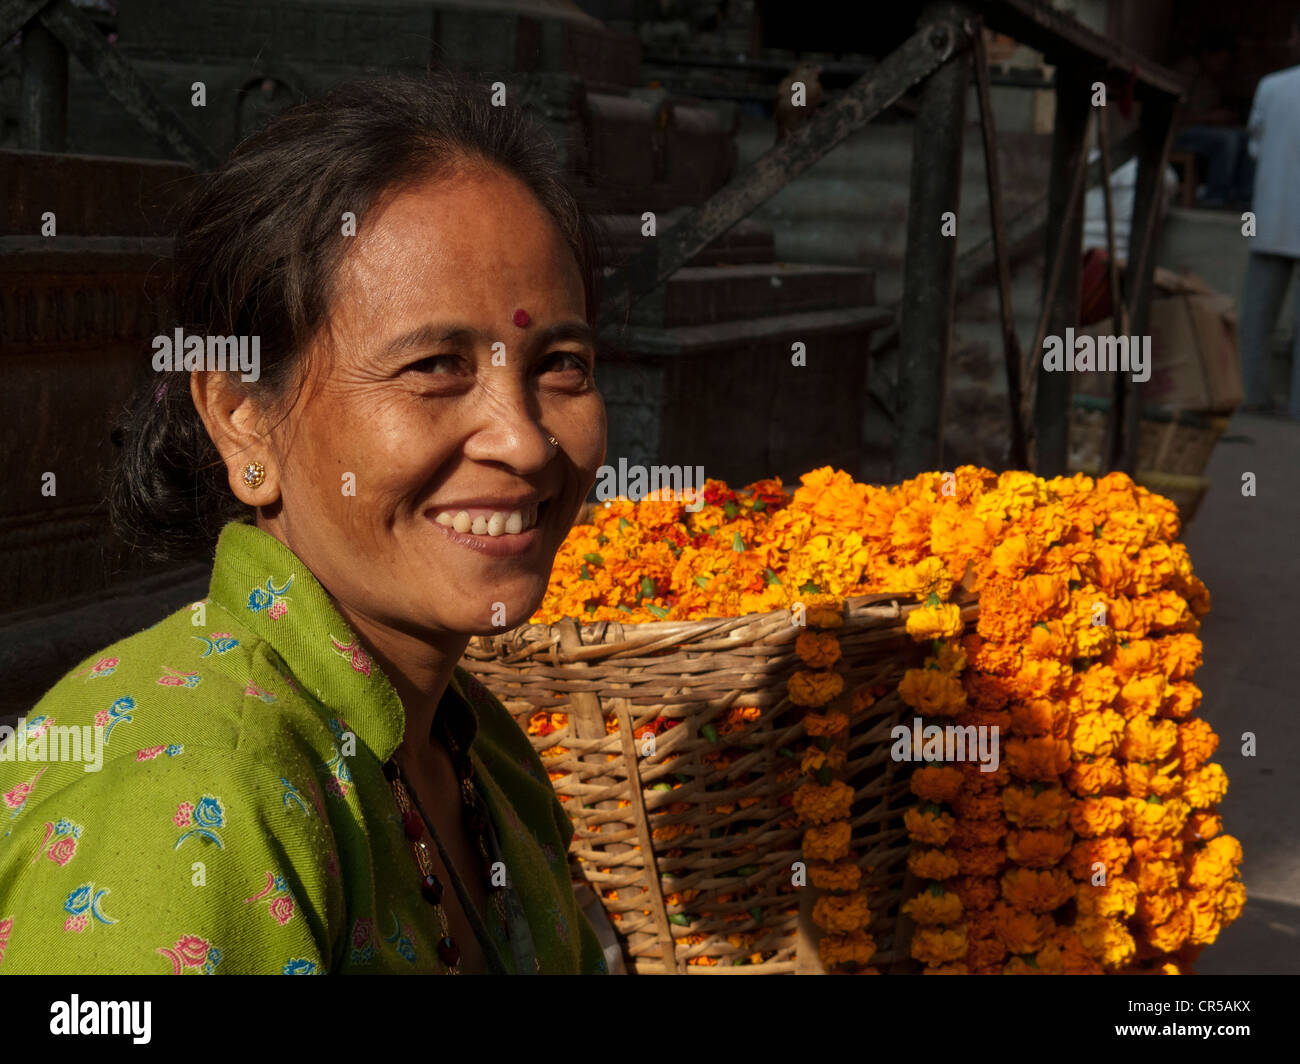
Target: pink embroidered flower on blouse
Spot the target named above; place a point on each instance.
(103, 667)
(182, 817)
(335, 787)
(149, 754)
(17, 795)
(282, 910)
(61, 852)
(101, 718)
(278, 609)
(192, 950)
(75, 923)
(361, 933)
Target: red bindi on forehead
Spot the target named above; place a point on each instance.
(521, 318)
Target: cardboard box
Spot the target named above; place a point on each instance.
(1195, 360)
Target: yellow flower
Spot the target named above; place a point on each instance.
(935, 622)
(856, 947)
(814, 688)
(816, 804)
(932, 692)
(932, 828)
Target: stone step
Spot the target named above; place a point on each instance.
(704, 295)
(747, 241)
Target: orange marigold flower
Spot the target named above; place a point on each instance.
(825, 725)
(1110, 852)
(1118, 897)
(1153, 909)
(816, 804)
(1148, 738)
(1039, 849)
(936, 783)
(971, 804)
(1173, 932)
(817, 650)
(856, 947)
(979, 860)
(937, 945)
(1021, 932)
(1037, 891)
(928, 908)
(1037, 759)
(814, 688)
(1206, 786)
(932, 692)
(1196, 743)
(1214, 863)
(1095, 776)
(840, 913)
(931, 864)
(946, 969)
(1098, 815)
(1047, 807)
(968, 833)
(1202, 825)
(1154, 818)
(828, 843)
(1106, 940)
(1096, 734)
(842, 875)
(976, 892)
(1142, 780)
(1039, 716)
(933, 828)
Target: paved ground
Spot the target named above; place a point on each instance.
(1245, 549)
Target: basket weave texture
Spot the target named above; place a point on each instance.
(690, 838)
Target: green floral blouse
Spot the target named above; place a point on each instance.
(239, 820)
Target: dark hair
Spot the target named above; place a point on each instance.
(258, 247)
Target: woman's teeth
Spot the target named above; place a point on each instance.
(489, 522)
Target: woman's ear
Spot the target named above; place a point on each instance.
(235, 423)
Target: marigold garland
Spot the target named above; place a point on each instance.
(1094, 846)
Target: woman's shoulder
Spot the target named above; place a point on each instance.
(195, 680)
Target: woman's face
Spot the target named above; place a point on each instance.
(416, 479)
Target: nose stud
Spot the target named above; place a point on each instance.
(553, 441)
(254, 473)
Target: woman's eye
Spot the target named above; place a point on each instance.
(435, 364)
(566, 362)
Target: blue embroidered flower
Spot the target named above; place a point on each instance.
(278, 884)
(214, 955)
(174, 749)
(78, 901)
(62, 826)
(300, 967)
(259, 599)
(209, 813)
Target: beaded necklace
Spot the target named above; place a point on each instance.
(416, 822)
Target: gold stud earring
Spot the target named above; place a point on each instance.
(254, 474)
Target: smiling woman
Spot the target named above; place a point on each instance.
(306, 782)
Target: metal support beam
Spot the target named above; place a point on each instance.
(925, 51)
(43, 95)
(1157, 133)
(1019, 452)
(925, 325)
(80, 37)
(1064, 246)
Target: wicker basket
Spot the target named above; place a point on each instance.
(1171, 443)
(728, 832)
(1173, 449)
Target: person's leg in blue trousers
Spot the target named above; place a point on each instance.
(1267, 277)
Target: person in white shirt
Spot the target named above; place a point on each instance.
(1274, 131)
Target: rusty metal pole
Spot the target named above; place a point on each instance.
(43, 95)
(1064, 243)
(929, 269)
(1157, 133)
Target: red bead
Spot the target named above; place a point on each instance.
(521, 318)
(413, 824)
(448, 952)
(431, 889)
